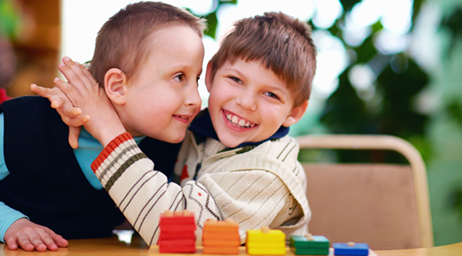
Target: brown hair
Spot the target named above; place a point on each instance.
(121, 41)
(281, 43)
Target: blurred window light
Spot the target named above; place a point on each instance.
(229, 13)
(202, 7)
(327, 12)
(332, 59)
(353, 33)
(361, 76)
(390, 43)
(367, 12)
(295, 8)
(397, 16)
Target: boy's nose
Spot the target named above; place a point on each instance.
(247, 101)
(192, 97)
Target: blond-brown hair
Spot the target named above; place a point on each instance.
(121, 41)
(280, 43)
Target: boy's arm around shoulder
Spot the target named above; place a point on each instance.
(142, 193)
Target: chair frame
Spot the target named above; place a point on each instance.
(385, 142)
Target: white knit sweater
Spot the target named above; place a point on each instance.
(263, 186)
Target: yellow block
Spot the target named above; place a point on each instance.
(272, 236)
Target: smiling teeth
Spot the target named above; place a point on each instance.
(239, 122)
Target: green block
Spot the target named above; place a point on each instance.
(305, 251)
(318, 242)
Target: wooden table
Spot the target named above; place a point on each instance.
(114, 247)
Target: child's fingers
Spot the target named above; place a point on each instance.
(59, 240)
(64, 86)
(48, 93)
(55, 96)
(83, 75)
(73, 78)
(87, 74)
(47, 240)
(37, 242)
(42, 91)
(12, 243)
(25, 243)
(70, 111)
(74, 136)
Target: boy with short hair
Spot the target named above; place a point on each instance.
(54, 190)
(236, 161)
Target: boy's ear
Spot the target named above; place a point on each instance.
(296, 114)
(114, 85)
(208, 77)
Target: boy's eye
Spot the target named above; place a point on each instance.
(179, 77)
(235, 79)
(272, 95)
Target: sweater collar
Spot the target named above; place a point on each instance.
(202, 126)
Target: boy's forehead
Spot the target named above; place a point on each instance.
(167, 36)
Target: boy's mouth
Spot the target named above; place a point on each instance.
(238, 121)
(182, 118)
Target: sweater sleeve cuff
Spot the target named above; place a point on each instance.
(115, 143)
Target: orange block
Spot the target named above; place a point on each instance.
(221, 226)
(220, 243)
(220, 250)
(221, 237)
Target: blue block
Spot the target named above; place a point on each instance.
(361, 249)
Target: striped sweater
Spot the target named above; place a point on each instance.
(256, 186)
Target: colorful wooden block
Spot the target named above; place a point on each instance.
(305, 251)
(177, 246)
(351, 249)
(220, 237)
(177, 232)
(309, 245)
(220, 250)
(266, 241)
(176, 218)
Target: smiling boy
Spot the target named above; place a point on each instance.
(237, 160)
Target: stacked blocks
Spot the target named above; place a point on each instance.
(351, 249)
(177, 232)
(266, 242)
(309, 245)
(220, 237)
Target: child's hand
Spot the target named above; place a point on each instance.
(85, 93)
(29, 236)
(69, 114)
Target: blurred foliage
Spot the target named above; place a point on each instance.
(212, 20)
(390, 110)
(10, 19)
(453, 107)
(453, 23)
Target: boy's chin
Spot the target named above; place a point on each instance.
(174, 140)
(229, 143)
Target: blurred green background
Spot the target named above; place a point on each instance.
(406, 84)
